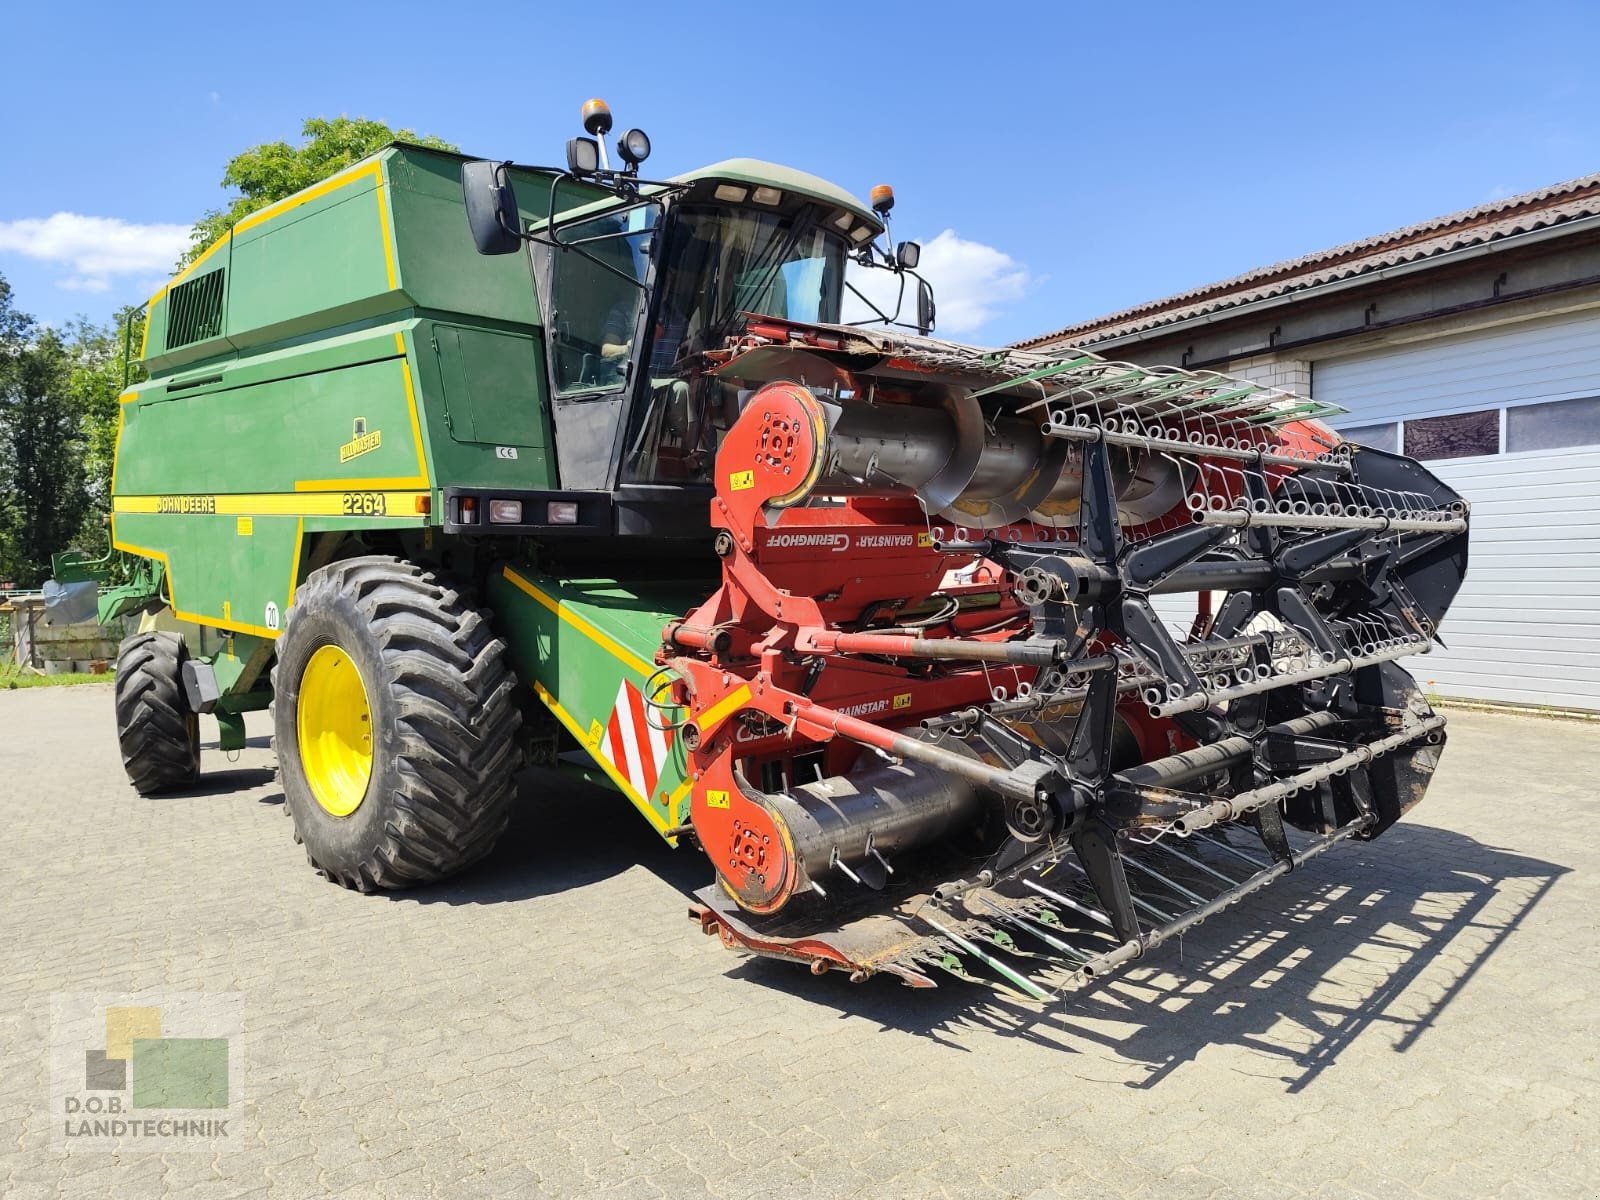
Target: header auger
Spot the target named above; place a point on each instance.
(916, 641)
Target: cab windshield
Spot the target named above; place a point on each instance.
(719, 263)
(722, 262)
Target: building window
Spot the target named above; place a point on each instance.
(1378, 437)
(1459, 435)
(1553, 426)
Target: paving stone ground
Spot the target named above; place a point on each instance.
(1414, 1017)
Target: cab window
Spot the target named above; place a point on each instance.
(597, 293)
(719, 263)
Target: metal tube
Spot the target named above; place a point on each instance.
(1240, 519)
(885, 449)
(845, 822)
(1067, 902)
(1246, 802)
(1138, 441)
(1033, 653)
(1202, 760)
(695, 637)
(1199, 701)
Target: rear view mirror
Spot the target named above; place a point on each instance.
(925, 309)
(491, 207)
(908, 255)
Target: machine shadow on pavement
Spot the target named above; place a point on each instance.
(1377, 935)
(566, 834)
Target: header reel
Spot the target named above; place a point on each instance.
(935, 717)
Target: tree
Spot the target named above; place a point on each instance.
(43, 496)
(97, 366)
(267, 173)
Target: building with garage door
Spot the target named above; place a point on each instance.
(1472, 343)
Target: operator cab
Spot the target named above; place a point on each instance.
(645, 286)
(640, 292)
(720, 262)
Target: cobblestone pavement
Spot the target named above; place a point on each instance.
(1414, 1017)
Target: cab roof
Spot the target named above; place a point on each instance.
(756, 172)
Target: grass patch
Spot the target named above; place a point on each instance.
(12, 682)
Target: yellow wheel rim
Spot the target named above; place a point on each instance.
(334, 722)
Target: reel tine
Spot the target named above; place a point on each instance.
(1027, 986)
(1034, 929)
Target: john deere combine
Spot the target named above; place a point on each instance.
(462, 465)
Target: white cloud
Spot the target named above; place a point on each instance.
(95, 248)
(971, 282)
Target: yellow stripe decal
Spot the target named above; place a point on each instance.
(388, 241)
(332, 183)
(674, 805)
(116, 448)
(294, 567)
(172, 595)
(591, 632)
(411, 405)
(623, 785)
(353, 502)
(726, 707)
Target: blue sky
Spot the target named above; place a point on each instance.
(1082, 158)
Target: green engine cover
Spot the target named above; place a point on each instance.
(324, 367)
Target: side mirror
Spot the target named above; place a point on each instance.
(583, 156)
(491, 207)
(925, 309)
(908, 255)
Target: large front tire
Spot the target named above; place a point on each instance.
(394, 720)
(157, 733)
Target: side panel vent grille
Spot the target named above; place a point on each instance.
(196, 312)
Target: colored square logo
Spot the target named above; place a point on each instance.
(180, 1073)
(148, 1072)
(123, 1025)
(102, 1074)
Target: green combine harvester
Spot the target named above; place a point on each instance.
(460, 466)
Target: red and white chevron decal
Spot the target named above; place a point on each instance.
(633, 746)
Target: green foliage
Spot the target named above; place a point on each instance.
(43, 495)
(269, 172)
(58, 433)
(13, 682)
(100, 363)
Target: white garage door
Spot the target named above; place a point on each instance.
(1510, 418)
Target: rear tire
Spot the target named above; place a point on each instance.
(158, 736)
(395, 725)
